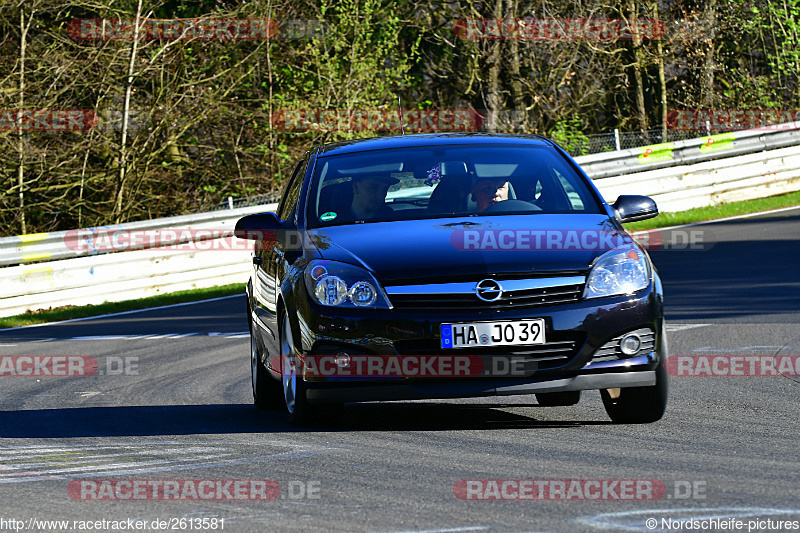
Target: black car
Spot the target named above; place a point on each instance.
(452, 265)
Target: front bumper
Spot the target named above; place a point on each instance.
(389, 332)
(419, 390)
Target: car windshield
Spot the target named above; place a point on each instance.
(445, 181)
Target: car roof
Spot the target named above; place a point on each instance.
(427, 139)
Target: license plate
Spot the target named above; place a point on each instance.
(506, 333)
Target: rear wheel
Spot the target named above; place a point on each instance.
(553, 399)
(294, 387)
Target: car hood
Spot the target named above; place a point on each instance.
(409, 250)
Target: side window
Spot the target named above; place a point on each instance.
(291, 194)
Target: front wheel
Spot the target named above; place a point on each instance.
(638, 405)
(294, 387)
(267, 393)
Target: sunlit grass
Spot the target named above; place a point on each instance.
(701, 214)
(72, 311)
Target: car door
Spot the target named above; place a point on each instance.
(267, 268)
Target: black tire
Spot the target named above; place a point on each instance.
(301, 413)
(638, 405)
(555, 399)
(267, 391)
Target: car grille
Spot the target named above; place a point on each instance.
(461, 296)
(610, 351)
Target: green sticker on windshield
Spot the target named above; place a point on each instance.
(330, 215)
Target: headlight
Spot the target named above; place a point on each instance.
(623, 270)
(337, 284)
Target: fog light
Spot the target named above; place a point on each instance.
(342, 360)
(630, 344)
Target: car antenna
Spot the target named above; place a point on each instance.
(400, 111)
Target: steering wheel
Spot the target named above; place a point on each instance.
(505, 206)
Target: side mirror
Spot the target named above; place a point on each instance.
(631, 208)
(259, 227)
(268, 230)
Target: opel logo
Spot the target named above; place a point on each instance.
(488, 290)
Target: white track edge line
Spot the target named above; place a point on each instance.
(123, 312)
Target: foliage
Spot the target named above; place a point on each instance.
(204, 115)
(567, 133)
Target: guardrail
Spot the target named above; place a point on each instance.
(117, 277)
(77, 243)
(680, 175)
(710, 147)
(712, 182)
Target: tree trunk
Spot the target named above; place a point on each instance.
(707, 75)
(518, 117)
(270, 108)
(493, 96)
(123, 156)
(20, 138)
(662, 83)
(638, 61)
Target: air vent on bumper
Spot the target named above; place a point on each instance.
(622, 346)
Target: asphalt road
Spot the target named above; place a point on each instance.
(171, 400)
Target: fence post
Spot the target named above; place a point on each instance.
(616, 139)
(230, 202)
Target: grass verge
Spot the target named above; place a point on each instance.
(74, 311)
(701, 214)
(663, 220)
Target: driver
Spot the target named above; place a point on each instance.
(489, 191)
(369, 194)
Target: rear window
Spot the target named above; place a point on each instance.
(445, 181)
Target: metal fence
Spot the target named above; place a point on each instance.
(623, 140)
(235, 203)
